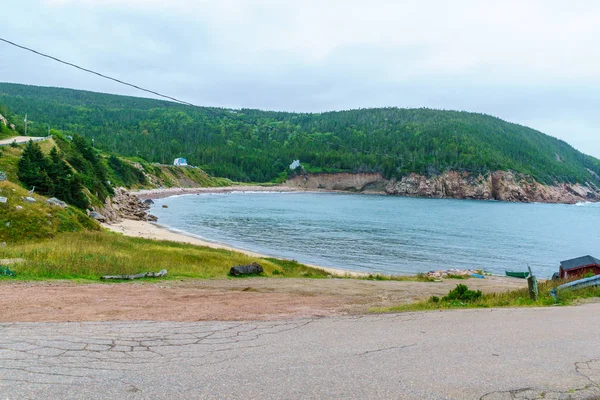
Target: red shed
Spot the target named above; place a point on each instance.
(579, 267)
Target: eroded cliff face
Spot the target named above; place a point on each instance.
(499, 185)
(341, 181)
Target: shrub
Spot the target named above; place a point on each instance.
(462, 293)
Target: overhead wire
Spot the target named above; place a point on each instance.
(103, 75)
(174, 99)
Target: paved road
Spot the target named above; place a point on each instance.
(471, 354)
(21, 140)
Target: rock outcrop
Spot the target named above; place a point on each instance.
(341, 181)
(498, 185)
(56, 202)
(125, 205)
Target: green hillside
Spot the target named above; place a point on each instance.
(251, 145)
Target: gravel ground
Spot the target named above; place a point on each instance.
(226, 299)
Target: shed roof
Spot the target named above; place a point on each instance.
(579, 262)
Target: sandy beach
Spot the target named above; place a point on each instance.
(155, 231)
(167, 192)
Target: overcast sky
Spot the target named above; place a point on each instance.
(532, 62)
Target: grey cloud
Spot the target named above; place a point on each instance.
(528, 62)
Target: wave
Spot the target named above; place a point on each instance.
(261, 192)
(587, 204)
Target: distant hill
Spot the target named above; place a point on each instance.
(258, 146)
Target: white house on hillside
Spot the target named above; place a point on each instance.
(181, 162)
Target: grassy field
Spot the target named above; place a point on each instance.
(9, 157)
(22, 221)
(89, 255)
(515, 298)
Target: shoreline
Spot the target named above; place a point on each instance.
(161, 193)
(154, 231)
(169, 192)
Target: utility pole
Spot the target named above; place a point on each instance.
(25, 124)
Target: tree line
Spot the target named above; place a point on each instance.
(258, 146)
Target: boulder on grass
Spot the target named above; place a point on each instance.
(56, 202)
(97, 216)
(250, 269)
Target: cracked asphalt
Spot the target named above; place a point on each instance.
(550, 353)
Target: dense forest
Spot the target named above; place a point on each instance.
(251, 145)
(71, 166)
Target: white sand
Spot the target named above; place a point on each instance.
(167, 192)
(150, 230)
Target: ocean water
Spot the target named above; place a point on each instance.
(389, 234)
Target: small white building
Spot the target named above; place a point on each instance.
(181, 162)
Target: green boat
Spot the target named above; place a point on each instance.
(517, 274)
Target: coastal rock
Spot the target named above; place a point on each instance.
(444, 273)
(125, 205)
(498, 185)
(448, 185)
(342, 181)
(97, 216)
(250, 269)
(29, 199)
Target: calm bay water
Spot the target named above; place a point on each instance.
(390, 234)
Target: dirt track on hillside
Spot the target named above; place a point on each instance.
(227, 299)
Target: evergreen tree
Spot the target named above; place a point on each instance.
(33, 169)
(61, 175)
(51, 175)
(78, 198)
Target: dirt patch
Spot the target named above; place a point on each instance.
(227, 299)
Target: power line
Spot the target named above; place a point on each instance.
(175, 99)
(103, 76)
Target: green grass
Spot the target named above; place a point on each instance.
(515, 298)
(172, 176)
(453, 276)
(35, 221)
(398, 278)
(9, 158)
(89, 255)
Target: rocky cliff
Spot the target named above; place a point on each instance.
(499, 185)
(341, 181)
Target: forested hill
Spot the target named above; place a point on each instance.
(251, 145)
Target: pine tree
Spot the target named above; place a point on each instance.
(61, 174)
(78, 198)
(32, 169)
